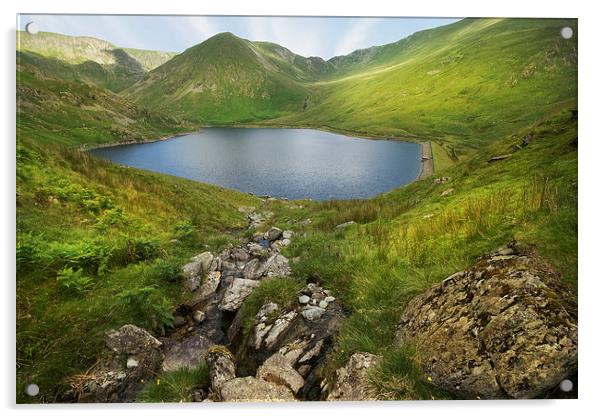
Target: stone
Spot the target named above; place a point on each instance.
(287, 234)
(251, 389)
(323, 304)
(220, 362)
(259, 334)
(267, 309)
(278, 328)
(186, 354)
(131, 363)
(304, 299)
(277, 266)
(441, 180)
(206, 260)
(254, 269)
(312, 352)
(207, 289)
(313, 313)
(345, 225)
(198, 316)
(505, 328)
(256, 250)
(273, 234)
(179, 321)
(447, 192)
(276, 369)
(329, 299)
(193, 271)
(239, 254)
(351, 381)
(236, 293)
(130, 339)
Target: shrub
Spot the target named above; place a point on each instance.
(140, 249)
(185, 231)
(148, 307)
(73, 280)
(166, 270)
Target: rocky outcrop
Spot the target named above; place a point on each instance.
(505, 328)
(351, 381)
(227, 387)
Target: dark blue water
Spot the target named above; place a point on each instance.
(293, 163)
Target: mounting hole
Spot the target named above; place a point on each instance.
(32, 28)
(566, 32)
(566, 385)
(32, 389)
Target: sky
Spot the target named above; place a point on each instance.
(308, 36)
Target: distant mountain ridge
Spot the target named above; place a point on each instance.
(88, 59)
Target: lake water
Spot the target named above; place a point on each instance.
(292, 163)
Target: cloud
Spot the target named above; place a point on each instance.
(300, 35)
(356, 36)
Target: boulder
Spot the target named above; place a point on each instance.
(193, 271)
(351, 381)
(198, 316)
(206, 291)
(220, 362)
(277, 266)
(251, 389)
(312, 313)
(237, 293)
(130, 339)
(505, 328)
(278, 370)
(254, 269)
(273, 234)
(287, 234)
(278, 328)
(186, 354)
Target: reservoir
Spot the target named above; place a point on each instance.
(291, 163)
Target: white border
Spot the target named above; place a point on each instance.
(589, 225)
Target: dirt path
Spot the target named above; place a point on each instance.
(428, 166)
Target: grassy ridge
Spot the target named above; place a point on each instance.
(222, 80)
(463, 84)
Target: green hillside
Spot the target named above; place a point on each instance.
(86, 59)
(460, 85)
(150, 59)
(225, 79)
(62, 111)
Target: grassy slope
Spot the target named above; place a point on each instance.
(54, 111)
(222, 80)
(463, 84)
(89, 60)
(150, 59)
(413, 237)
(114, 224)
